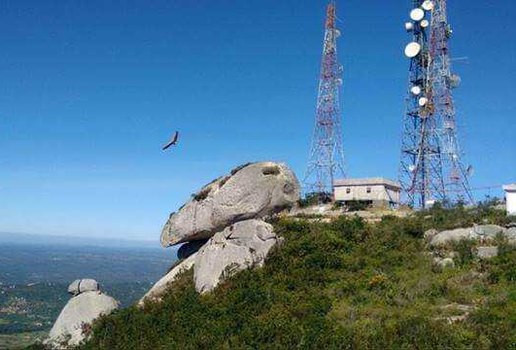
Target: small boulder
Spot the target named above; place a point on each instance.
(242, 245)
(160, 287)
(83, 285)
(511, 235)
(249, 192)
(480, 233)
(429, 234)
(444, 263)
(72, 325)
(487, 252)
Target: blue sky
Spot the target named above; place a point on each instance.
(90, 90)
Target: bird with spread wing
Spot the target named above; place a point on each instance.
(172, 142)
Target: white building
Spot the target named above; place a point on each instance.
(377, 191)
(510, 198)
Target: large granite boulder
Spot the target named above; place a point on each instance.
(157, 291)
(83, 285)
(251, 191)
(479, 232)
(75, 319)
(242, 245)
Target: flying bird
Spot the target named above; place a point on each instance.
(172, 142)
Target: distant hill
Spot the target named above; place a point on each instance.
(36, 239)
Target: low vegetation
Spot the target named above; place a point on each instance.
(340, 285)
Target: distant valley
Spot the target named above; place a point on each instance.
(35, 273)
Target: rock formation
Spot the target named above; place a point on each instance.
(160, 287)
(249, 192)
(81, 310)
(479, 232)
(240, 246)
(222, 225)
(83, 285)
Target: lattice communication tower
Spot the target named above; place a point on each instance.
(326, 160)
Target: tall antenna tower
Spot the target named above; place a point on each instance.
(444, 81)
(430, 167)
(421, 174)
(326, 160)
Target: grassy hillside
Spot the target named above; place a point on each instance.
(345, 284)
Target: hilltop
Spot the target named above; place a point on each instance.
(339, 284)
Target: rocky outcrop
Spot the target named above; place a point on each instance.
(83, 285)
(249, 192)
(74, 321)
(480, 233)
(222, 227)
(240, 246)
(157, 291)
(486, 252)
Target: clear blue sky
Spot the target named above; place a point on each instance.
(89, 91)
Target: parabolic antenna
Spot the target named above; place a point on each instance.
(428, 5)
(409, 26)
(412, 50)
(423, 101)
(412, 168)
(454, 80)
(425, 23)
(417, 14)
(416, 90)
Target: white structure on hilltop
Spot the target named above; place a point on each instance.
(377, 191)
(510, 198)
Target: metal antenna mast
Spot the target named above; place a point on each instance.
(443, 81)
(326, 160)
(431, 169)
(421, 175)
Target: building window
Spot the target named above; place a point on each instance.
(348, 190)
(368, 189)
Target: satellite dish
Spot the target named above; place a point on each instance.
(412, 50)
(417, 14)
(422, 101)
(454, 81)
(416, 90)
(409, 26)
(425, 23)
(470, 170)
(412, 168)
(337, 33)
(428, 5)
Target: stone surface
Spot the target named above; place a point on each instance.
(511, 234)
(487, 252)
(83, 285)
(444, 263)
(429, 234)
(242, 245)
(160, 287)
(77, 316)
(480, 233)
(251, 191)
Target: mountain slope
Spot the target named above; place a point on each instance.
(338, 285)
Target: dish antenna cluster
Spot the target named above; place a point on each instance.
(419, 20)
(430, 168)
